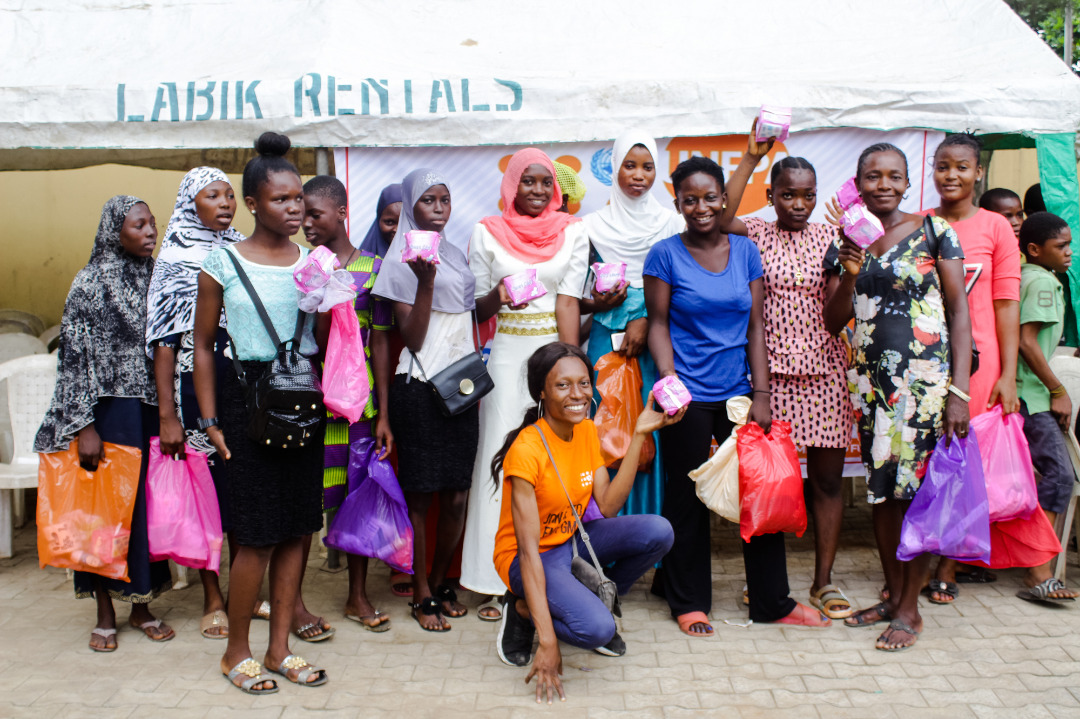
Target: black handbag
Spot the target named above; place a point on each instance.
(932, 241)
(591, 574)
(286, 403)
(462, 384)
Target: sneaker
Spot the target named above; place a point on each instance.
(516, 634)
(615, 648)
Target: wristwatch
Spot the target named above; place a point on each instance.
(205, 424)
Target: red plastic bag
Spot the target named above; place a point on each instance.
(345, 378)
(1006, 459)
(84, 518)
(770, 481)
(619, 382)
(183, 519)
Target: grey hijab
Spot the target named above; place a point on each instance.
(454, 281)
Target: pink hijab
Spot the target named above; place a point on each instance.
(533, 239)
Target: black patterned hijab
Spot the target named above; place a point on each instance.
(101, 334)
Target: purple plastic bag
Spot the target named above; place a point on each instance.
(183, 520)
(373, 521)
(950, 515)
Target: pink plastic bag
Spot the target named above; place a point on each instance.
(1006, 460)
(182, 514)
(345, 378)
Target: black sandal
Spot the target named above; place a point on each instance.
(431, 608)
(445, 594)
(869, 617)
(948, 589)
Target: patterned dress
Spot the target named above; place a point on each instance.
(807, 364)
(900, 371)
(374, 314)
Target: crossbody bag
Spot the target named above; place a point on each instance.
(590, 574)
(285, 405)
(461, 385)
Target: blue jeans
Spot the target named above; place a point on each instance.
(629, 544)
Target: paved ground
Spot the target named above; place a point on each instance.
(990, 655)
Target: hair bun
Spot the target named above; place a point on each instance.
(272, 144)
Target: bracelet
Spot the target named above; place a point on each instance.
(959, 393)
(1059, 391)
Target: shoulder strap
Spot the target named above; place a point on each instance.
(414, 358)
(931, 235)
(259, 307)
(577, 517)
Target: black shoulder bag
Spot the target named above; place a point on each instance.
(590, 574)
(932, 242)
(286, 403)
(462, 384)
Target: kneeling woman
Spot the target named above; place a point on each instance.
(549, 461)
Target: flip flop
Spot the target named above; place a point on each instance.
(324, 632)
(880, 614)
(382, 625)
(979, 575)
(253, 671)
(899, 626)
(949, 589)
(214, 619)
(104, 634)
(827, 597)
(1040, 593)
(295, 661)
(690, 619)
(153, 624)
(492, 603)
(401, 584)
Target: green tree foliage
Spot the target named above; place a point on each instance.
(1047, 18)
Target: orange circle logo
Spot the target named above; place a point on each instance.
(727, 151)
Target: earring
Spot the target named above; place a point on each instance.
(905, 196)
(770, 203)
(539, 409)
(724, 207)
(595, 408)
(253, 212)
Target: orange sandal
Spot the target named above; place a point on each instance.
(690, 619)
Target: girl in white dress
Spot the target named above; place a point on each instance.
(530, 234)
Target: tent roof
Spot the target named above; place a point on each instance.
(130, 77)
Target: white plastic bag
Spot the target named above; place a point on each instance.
(718, 479)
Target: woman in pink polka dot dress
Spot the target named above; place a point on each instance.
(807, 364)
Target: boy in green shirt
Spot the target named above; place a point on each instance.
(1045, 241)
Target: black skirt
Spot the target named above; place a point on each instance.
(435, 453)
(274, 494)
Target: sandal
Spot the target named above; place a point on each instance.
(445, 594)
(401, 584)
(105, 634)
(253, 671)
(494, 605)
(979, 575)
(214, 619)
(429, 607)
(869, 617)
(325, 631)
(949, 589)
(826, 600)
(262, 611)
(688, 620)
(295, 661)
(148, 627)
(1041, 592)
(377, 622)
(897, 626)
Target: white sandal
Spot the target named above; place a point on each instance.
(492, 603)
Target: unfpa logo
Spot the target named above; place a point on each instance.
(727, 151)
(586, 479)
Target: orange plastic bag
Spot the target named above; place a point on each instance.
(84, 518)
(618, 380)
(770, 481)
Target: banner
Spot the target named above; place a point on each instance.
(475, 173)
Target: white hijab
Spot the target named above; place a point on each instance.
(627, 227)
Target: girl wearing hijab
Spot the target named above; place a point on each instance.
(387, 211)
(201, 222)
(625, 230)
(531, 233)
(105, 393)
(433, 306)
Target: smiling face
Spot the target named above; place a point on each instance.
(567, 392)
(534, 191)
(956, 170)
(279, 203)
(215, 205)
(138, 236)
(794, 196)
(388, 221)
(700, 199)
(882, 182)
(322, 218)
(637, 172)
(432, 210)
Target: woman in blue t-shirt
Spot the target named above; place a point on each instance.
(703, 293)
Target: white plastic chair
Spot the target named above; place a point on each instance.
(11, 347)
(1067, 369)
(51, 337)
(34, 324)
(30, 382)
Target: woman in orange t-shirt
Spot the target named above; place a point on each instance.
(533, 548)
